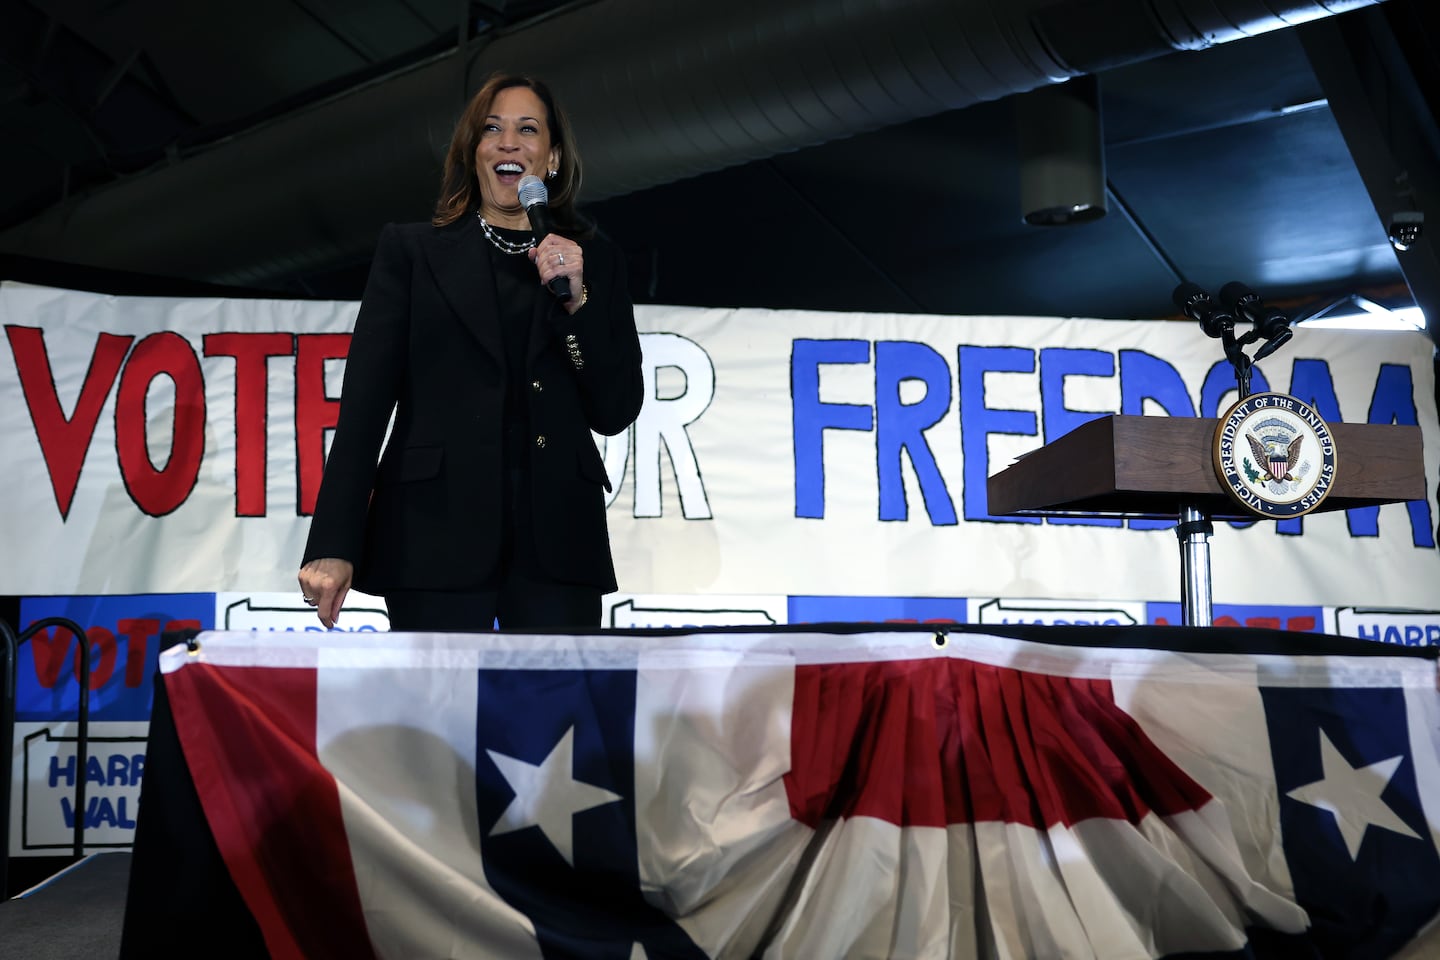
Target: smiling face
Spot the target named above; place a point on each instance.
(514, 143)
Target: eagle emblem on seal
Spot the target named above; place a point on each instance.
(1280, 454)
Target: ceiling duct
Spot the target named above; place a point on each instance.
(658, 91)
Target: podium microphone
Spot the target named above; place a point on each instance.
(1199, 306)
(536, 201)
(1270, 324)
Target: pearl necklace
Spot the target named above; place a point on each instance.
(501, 244)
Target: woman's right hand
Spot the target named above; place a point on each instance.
(324, 583)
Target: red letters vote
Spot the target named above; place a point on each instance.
(158, 491)
(64, 441)
(251, 351)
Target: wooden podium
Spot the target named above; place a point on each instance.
(1161, 467)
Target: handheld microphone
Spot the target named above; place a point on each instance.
(535, 198)
(1199, 306)
(1269, 323)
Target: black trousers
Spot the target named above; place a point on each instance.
(519, 594)
(518, 605)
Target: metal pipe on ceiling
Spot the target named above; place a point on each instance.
(658, 92)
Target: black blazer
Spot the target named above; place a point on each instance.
(427, 346)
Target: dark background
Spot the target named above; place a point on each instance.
(857, 156)
(773, 153)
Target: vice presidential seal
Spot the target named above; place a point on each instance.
(1275, 456)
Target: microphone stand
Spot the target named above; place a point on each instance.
(1235, 353)
(1195, 527)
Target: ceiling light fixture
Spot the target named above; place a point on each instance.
(1304, 107)
(1356, 312)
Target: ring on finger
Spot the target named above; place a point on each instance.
(560, 259)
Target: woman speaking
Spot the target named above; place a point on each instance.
(489, 499)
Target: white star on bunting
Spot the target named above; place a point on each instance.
(547, 796)
(1352, 795)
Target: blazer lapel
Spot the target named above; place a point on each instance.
(461, 267)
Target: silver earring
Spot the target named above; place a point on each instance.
(553, 174)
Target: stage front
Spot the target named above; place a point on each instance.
(805, 792)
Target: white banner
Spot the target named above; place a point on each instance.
(42, 782)
(163, 445)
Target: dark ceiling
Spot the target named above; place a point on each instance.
(1272, 160)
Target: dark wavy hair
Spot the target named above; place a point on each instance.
(459, 186)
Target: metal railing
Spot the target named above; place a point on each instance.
(12, 642)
